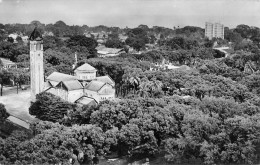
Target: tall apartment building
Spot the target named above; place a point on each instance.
(214, 30)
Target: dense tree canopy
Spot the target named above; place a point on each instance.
(205, 109)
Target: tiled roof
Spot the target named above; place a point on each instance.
(106, 79)
(7, 62)
(85, 67)
(57, 76)
(95, 85)
(85, 100)
(53, 83)
(72, 85)
(105, 50)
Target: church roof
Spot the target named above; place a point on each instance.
(72, 85)
(35, 35)
(106, 79)
(57, 76)
(85, 67)
(95, 85)
(85, 100)
(53, 83)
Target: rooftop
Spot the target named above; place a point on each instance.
(57, 76)
(106, 79)
(105, 50)
(7, 62)
(95, 85)
(72, 85)
(85, 100)
(85, 67)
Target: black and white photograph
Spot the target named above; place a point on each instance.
(129, 82)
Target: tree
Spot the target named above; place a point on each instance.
(10, 39)
(49, 107)
(84, 41)
(112, 43)
(3, 113)
(137, 38)
(20, 76)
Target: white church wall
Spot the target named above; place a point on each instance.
(92, 94)
(74, 95)
(86, 75)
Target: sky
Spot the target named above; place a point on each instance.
(131, 13)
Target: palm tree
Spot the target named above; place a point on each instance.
(144, 88)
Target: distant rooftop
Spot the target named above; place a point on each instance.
(105, 50)
(7, 62)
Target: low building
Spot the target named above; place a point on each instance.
(25, 39)
(14, 36)
(109, 52)
(100, 91)
(8, 64)
(85, 72)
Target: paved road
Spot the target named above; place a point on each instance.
(17, 104)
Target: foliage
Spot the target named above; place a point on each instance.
(137, 38)
(48, 107)
(3, 113)
(79, 40)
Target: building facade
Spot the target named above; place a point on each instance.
(83, 84)
(85, 72)
(214, 30)
(36, 63)
(7, 63)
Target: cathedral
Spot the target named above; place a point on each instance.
(84, 87)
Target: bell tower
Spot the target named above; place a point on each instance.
(36, 63)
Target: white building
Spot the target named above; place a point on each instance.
(84, 84)
(8, 64)
(214, 30)
(100, 91)
(85, 72)
(108, 52)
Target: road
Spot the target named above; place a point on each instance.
(17, 104)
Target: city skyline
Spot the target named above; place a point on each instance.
(132, 13)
